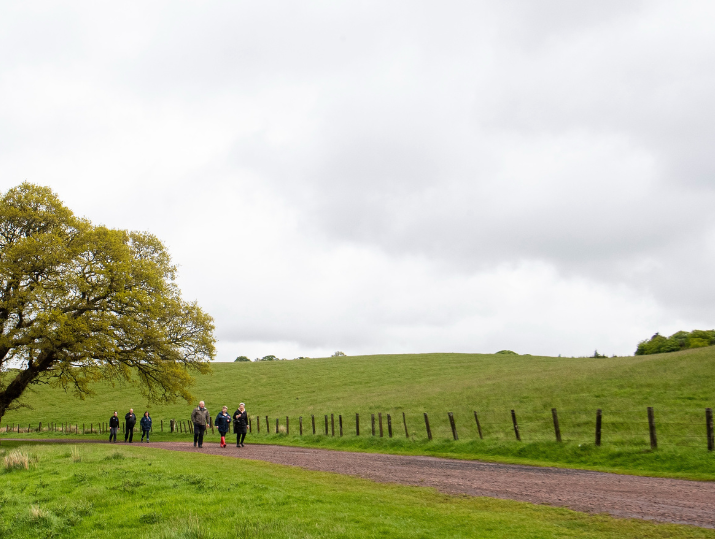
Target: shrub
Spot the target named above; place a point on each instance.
(507, 353)
(241, 358)
(681, 340)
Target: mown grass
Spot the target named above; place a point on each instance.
(679, 386)
(141, 492)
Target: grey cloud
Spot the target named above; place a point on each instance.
(465, 136)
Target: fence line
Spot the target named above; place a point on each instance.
(654, 427)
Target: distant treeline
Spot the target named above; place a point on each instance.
(682, 340)
(274, 358)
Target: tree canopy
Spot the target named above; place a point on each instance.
(81, 303)
(682, 340)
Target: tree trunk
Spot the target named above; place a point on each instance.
(23, 379)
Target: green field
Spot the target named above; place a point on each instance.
(679, 386)
(100, 491)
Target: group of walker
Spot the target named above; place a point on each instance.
(199, 417)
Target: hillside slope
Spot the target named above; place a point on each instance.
(679, 385)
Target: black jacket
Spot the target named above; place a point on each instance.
(145, 422)
(114, 422)
(240, 421)
(223, 422)
(131, 420)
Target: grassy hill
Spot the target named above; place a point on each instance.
(678, 385)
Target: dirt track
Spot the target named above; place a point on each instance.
(665, 500)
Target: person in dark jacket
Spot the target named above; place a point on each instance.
(113, 427)
(240, 424)
(130, 420)
(223, 424)
(200, 418)
(145, 424)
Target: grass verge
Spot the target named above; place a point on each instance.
(140, 492)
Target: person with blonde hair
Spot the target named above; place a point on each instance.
(240, 424)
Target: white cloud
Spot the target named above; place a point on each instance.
(387, 177)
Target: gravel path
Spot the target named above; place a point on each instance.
(664, 500)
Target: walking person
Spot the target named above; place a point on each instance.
(223, 424)
(130, 420)
(240, 424)
(113, 427)
(145, 424)
(200, 418)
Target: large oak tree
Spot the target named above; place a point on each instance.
(81, 303)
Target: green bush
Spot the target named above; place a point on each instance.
(682, 340)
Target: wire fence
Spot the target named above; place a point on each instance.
(648, 427)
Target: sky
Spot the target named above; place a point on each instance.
(387, 177)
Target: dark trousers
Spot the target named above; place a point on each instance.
(199, 434)
(147, 435)
(129, 432)
(113, 433)
(240, 436)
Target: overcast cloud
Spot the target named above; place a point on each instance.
(386, 177)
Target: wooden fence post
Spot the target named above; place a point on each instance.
(277, 425)
(599, 420)
(300, 425)
(268, 426)
(287, 426)
(357, 424)
(379, 418)
(389, 425)
(709, 428)
(326, 424)
(372, 416)
(312, 420)
(516, 426)
(429, 431)
(479, 427)
(340, 422)
(651, 428)
(451, 424)
(404, 421)
(557, 429)
(40, 427)
(83, 430)
(332, 425)
(258, 424)
(162, 425)
(250, 425)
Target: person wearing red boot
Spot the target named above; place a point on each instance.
(223, 423)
